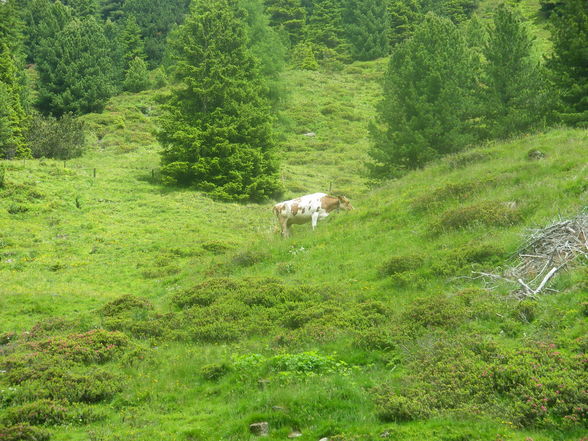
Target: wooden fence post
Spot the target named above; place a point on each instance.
(94, 172)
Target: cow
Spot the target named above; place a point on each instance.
(309, 208)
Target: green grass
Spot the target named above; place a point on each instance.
(321, 331)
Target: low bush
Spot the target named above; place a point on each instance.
(434, 312)
(400, 264)
(398, 408)
(96, 346)
(124, 304)
(24, 432)
(62, 138)
(460, 191)
(215, 371)
(489, 213)
(468, 256)
(37, 413)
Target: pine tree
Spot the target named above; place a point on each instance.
(216, 132)
(75, 69)
(83, 8)
(325, 30)
(289, 16)
(404, 16)
(11, 26)
(569, 62)
(428, 99)
(156, 18)
(44, 19)
(12, 115)
(131, 41)
(366, 27)
(112, 10)
(516, 96)
(136, 76)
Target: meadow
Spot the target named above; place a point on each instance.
(133, 311)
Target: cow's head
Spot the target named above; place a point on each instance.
(344, 203)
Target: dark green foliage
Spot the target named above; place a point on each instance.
(405, 15)
(131, 42)
(125, 304)
(398, 408)
(136, 76)
(366, 28)
(428, 100)
(75, 69)
(112, 9)
(303, 57)
(156, 19)
(568, 63)
(216, 131)
(12, 114)
(325, 31)
(59, 138)
(11, 26)
(549, 6)
(288, 16)
(44, 19)
(24, 432)
(2, 183)
(457, 10)
(516, 97)
(83, 8)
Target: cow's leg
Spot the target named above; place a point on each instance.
(285, 227)
(314, 219)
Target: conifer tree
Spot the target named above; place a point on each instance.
(12, 115)
(569, 62)
(11, 26)
(428, 99)
(325, 30)
(112, 10)
(366, 27)
(516, 97)
(404, 16)
(288, 15)
(75, 69)
(131, 41)
(44, 19)
(136, 76)
(216, 131)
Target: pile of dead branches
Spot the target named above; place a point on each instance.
(545, 252)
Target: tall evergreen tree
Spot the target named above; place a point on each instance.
(288, 15)
(366, 27)
(516, 97)
(569, 62)
(83, 8)
(156, 18)
(112, 10)
(44, 19)
(11, 26)
(75, 69)
(131, 41)
(404, 16)
(216, 132)
(428, 99)
(325, 30)
(12, 115)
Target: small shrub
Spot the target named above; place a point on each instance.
(124, 304)
(490, 213)
(460, 190)
(24, 432)
(381, 339)
(216, 247)
(399, 264)
(213, 372)
(436, 312)
(398, 408)
(17, 208)
(61, 138)
(248, 258)
(96, 346)
(7, 337)
(526, 311)
(37, 413)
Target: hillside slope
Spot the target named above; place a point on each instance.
(129, 311)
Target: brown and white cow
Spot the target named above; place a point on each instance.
(309, 208)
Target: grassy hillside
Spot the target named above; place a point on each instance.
(130, 311)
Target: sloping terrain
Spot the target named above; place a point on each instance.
(129, 311)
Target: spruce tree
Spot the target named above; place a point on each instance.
(12, 115)
(131, 41)
(366, 27)
(75, 69)
(325, 30)
(216, 131)
(569, 62)
(428, 99)
(516, 96)
(404, 16)
(136, 76)
(287, 15)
